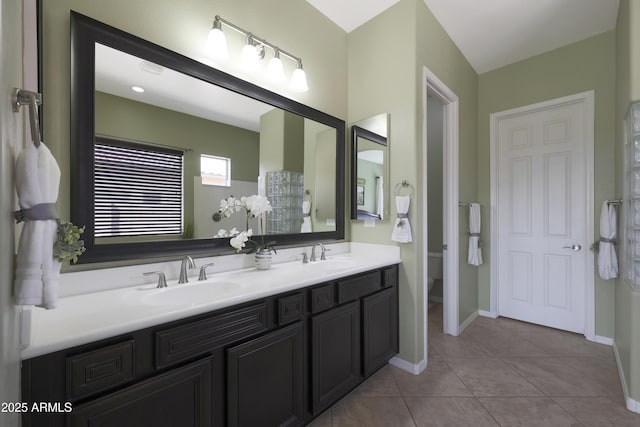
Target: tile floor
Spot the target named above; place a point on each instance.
(498, 372)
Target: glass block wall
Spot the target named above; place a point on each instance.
(633, 195)
(285, 191)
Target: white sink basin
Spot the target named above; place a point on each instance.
(185, 294)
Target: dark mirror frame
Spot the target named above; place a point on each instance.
(358, 132)
(85, 32)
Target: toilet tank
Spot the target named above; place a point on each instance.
(435, 265)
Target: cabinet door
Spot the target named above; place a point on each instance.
(380, 329)
(265, 380)
(181, 397)
(335, 356)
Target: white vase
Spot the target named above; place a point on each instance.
(263, 259)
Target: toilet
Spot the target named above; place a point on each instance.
(434, 265)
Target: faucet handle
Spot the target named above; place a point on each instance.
(323, 255)
(305, 258)
(203, 272)
(162, 281)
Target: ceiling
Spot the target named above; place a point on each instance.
(494, 33)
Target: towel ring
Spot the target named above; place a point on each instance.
(397, 190)
(307, 195)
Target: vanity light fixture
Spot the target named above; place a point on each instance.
(254, 51)
(252, 54)
(217, 41)
(275, 70)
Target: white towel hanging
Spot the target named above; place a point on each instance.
(607, 259)
(37, 180)
(306, 217)
(402, 229)
(474, 256)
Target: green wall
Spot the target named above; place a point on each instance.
(579, 67)
(385, 75)
(627, 315)
(292, 24)
(131, 120)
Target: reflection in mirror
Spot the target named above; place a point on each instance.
(236, 146)
(370, 169)
(185, 138)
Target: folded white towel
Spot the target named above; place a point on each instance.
(402, 229)
(306, 218)
(37, 179)
(607, 259)
(474, 256)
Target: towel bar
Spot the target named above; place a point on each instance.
(22, 97)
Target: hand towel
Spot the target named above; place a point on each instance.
(474, 257)
(306, 217)
(37, 178)
(607, 259)
(402, 229)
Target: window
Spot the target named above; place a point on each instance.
(215, 170)
(631, 237)
(138, 189)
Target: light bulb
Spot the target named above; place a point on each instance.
(299, 80)
(217, 43)
(275, 71)
(250, 58)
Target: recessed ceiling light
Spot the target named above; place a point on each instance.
(137, 89)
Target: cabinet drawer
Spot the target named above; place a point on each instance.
(290, 309)
(322, 298)
(188, 341)
(98, 370)
(390, 276)
(359, 286)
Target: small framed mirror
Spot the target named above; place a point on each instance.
(370, 169)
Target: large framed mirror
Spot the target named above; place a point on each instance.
(370, 169)
(159, 139)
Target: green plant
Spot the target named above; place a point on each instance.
(68, 246)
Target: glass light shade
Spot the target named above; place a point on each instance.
(275, 71)
(250, 58)
(299, 80)
(217, 43)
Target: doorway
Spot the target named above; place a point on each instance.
(542, 220)
(442, 98)
(435, 202)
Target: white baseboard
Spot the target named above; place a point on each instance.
(484, 313)
(412, 368)
(632, 405)
(468, 321)
(603, 340)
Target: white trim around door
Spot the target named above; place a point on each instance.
(435, 87)
(587, 99)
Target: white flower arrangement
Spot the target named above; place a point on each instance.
(256, 206)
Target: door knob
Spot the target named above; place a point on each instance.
(573, 247)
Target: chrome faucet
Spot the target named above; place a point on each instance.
(313, 252)
(187, 263)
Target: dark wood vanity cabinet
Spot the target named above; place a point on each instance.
(181, 397)
(279, 361)
(265, 380)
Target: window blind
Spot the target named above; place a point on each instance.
(138, 189)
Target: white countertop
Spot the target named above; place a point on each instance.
(80, 319)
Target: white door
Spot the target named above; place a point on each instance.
(541, 215)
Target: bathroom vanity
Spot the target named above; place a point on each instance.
(278, 359)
